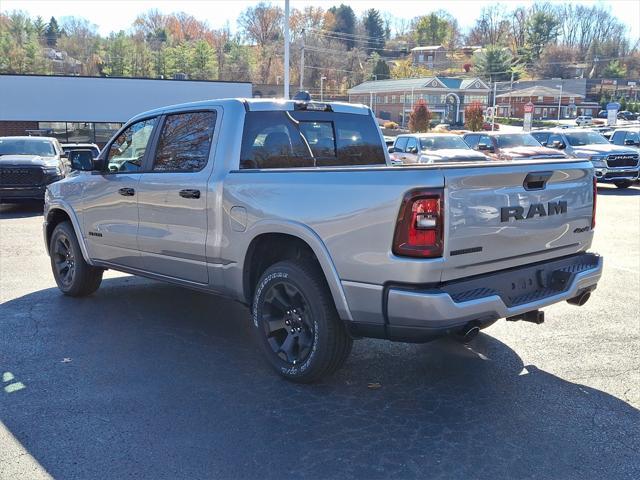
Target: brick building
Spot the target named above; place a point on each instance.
(446, 97)
(546, 101)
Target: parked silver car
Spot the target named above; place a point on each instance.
(432, 148)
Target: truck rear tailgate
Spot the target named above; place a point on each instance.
(500, 217)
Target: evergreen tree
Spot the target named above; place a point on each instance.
(374, 26)
(494, 63)
(52, 33)
(381, 70)
(344, 25)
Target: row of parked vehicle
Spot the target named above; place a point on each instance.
(615, 160)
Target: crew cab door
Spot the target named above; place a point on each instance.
(173, 193)
(110, 197)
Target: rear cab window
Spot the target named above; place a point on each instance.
(295, 139)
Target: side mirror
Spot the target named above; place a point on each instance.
(558, 144)
(81, 160)
(483, 147)
(629, 141)
(391, 149)
(413, 150)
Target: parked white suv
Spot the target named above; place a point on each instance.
(584, 120)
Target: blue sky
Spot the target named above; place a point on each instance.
(114, 15)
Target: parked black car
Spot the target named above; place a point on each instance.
(627, 115)
(27, 166)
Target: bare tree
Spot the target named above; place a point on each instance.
(262, 25)
(492, 28)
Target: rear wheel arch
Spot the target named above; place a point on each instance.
(268, 248)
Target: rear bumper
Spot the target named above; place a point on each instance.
(418, 314)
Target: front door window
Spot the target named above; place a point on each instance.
(126, 153)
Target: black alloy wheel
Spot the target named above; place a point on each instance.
(73, 275)
(296, 322)
(64, 259)
(287, 322)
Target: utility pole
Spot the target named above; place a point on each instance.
(559, 101)
(302, 62)
(493, 115)
(322, 79)
(510, 90)
(286, 49)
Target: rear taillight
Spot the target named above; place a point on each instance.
(595, 201)
(419, 227)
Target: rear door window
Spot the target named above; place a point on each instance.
(283, 139)
(185, 141)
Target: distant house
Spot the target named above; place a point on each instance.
(469, 50)
(446, 97)
(434, 56)
(546, 101)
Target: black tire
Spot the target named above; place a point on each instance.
(74, 276)
(297, 324)
(623, 184)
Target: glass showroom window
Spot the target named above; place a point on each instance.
(104, 131)
(54, 129)
(81, 132)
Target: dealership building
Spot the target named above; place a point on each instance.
(91, 109)
(446, 97)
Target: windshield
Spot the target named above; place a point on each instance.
(516, 140)
(585, 138)
(439, 143)
(26, 146)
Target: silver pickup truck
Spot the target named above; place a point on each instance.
(294, 209)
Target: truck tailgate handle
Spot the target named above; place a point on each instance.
(536, 180)
(127, 192)
(190, 193)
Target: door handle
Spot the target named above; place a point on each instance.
(190, 193)
(127, 192)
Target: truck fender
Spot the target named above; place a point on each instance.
(59, 204)
(311, 238)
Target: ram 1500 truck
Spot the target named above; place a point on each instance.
(294, 209)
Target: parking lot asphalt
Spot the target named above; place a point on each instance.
(146, 380)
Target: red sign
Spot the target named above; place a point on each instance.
(528, 107)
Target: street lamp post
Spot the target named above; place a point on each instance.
(559, 103)
(322, 79)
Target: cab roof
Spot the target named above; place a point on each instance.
(258, 105)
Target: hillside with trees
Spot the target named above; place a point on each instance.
(542, 40)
